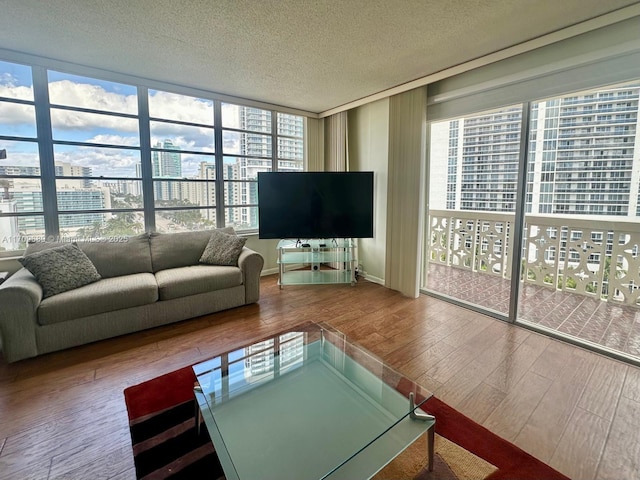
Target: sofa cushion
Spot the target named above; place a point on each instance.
(111, 257)
(60, 269)
(185, 281)
(173, 250)
(107, 295)
(120, 255)
(223, 249)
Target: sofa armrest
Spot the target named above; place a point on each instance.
(251, 263)
(20, 297)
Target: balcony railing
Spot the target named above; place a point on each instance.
(594, 257)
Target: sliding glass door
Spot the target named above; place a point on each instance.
(568, 263)
(473, 177)
(582, 235)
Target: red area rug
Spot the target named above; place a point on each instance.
(161, 415)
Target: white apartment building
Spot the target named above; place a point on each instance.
(583, 157)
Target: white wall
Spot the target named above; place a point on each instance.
(268, 249)
(9, 265)
(369, 151)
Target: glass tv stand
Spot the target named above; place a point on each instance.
(316, 261)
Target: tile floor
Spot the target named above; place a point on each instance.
(612, 326)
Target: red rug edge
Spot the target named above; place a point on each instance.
(160, 393)
(512, 462)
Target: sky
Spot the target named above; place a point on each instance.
(68, 125)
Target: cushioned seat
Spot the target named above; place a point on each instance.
(106, 295)
(146, 281)
(195, 279)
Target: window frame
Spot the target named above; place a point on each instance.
(46, 144)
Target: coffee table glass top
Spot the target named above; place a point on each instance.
(307, 404)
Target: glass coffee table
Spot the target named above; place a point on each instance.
(307, 404)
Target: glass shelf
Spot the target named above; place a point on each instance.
(316, 261)
(315, 277)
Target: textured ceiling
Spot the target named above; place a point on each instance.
(313, 55)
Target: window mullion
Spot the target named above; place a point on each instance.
(217, 146)
(145, 160)
(520, 204)
(45, 150)
(274, 141)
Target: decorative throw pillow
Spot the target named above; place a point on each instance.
(60, 269)
(223, 249)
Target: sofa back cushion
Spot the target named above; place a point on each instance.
(115, 258)
(174, 250)
(118, 258)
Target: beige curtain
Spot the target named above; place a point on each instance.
(314, 153)
(405, 193)
(336, 147)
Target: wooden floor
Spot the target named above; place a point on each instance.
(63, 415)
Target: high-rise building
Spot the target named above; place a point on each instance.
(207, 191)
(28, 199)
(256, 156)
(9, 233)
(581, 157)
(166, 164)
(21, 195)
(585, 147)
(66, 169)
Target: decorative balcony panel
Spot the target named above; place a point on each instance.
(596, 258)
(463, 242)
(469, 242)
(439, 239)
(624, 280)
(542, 249)
(583, 269)
(491, 257)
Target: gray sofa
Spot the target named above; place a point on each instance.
(147, 280)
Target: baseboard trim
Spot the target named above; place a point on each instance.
(371, 278)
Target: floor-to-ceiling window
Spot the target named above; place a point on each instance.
(533, 187)
(578, 267)
(582, 223)
(472, 197)
(21, 209)
(85, 156)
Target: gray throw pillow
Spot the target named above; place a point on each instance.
(223, 249)
(60, 269)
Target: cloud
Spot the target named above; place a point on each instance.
(231, 143)
(9, 88)
(183, 136)
(230, 115)
(66, 92)
(164, 105)
(171, 106)
(103, 161)
(16, 114)
(21, 159)
(112, 139)
(70, 120)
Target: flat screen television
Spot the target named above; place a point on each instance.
(304, 205)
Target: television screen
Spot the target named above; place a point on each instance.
(303, 205)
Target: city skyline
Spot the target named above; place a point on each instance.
(95, 137)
